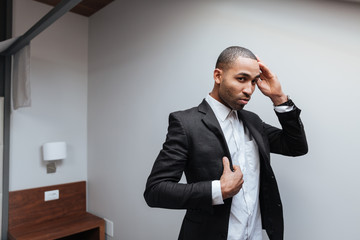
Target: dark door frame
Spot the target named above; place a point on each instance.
(6, 15)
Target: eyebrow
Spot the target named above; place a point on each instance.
(247, 75)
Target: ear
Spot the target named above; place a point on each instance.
(218, 75)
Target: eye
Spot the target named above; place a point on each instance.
(241, 79)
(253, 82)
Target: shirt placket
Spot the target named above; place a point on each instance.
(239, 140)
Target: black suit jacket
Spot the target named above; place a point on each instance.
(195, 145)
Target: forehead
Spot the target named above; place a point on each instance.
(245, 65)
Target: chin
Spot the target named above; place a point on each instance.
(238, 107)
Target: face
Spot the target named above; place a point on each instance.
(235, 85)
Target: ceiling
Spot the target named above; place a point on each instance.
(85, 7)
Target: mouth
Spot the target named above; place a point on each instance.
(244, 101)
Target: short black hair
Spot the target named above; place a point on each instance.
(230, 54)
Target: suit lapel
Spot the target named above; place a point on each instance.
(212, 123)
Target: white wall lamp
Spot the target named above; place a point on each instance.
(53, 151)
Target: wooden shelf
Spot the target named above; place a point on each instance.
(87, 223)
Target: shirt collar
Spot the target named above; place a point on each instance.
(221, 111)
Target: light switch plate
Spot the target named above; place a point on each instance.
(109, 227)
(52, 195)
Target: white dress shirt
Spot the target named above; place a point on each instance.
(245, 216)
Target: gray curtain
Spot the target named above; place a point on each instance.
(21, 94)
(21, 78)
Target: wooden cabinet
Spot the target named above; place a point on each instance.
(30, 217)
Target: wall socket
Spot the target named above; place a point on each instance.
(109, 227)
(51, 195)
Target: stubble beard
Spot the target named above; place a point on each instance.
(230, 104)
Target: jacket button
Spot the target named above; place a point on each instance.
(223, 236)
(279, 204)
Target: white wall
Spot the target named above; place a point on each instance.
(59, 99)
(147, 59)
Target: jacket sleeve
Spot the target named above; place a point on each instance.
(291, 140)
(163, 188)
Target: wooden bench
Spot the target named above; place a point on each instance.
(31, 217)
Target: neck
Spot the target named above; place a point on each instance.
(215, 95)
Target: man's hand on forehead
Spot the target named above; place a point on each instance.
(269, 84)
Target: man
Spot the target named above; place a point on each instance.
(231, 192)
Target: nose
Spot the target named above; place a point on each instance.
(249, 89)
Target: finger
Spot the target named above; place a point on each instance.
(226, 164)
(264, 69)
(236, 167)
(260, 84)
